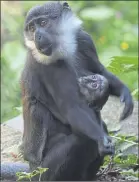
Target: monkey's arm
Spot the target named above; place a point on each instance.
(117, 88)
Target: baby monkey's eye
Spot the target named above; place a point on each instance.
(43, 23)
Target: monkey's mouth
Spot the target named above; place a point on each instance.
(47, 50)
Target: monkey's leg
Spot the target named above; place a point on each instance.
(68, 159)
(93, 168)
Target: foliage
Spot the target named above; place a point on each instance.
(126, 164)
(24, 175)
(126, 69)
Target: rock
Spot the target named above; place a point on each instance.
(111, 114)
(10, 140)
(15, 123)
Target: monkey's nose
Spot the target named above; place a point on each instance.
(42, 41)
(38, 37)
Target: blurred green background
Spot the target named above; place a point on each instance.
(113, 26)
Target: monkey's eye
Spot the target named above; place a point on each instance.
(32, 28)
(95, 85)
(43, 23)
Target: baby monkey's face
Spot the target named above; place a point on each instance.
(93, 87)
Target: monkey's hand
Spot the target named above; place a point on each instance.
(127, 99)
(106, 147)
(119, 89)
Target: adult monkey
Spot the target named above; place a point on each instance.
(57, 33)
(39, 93)
(95, 90)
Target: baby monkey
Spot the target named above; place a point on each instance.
(95, 89)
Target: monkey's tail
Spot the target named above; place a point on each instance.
(9, 170)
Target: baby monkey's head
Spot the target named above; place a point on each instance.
(95, 89)
(50, 31)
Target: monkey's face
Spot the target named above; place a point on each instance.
(94, 87)
(50, 31)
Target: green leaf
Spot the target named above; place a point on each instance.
(123, 64)
(126, 68)
(42, 170)
(125, 146)
(131, 175)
